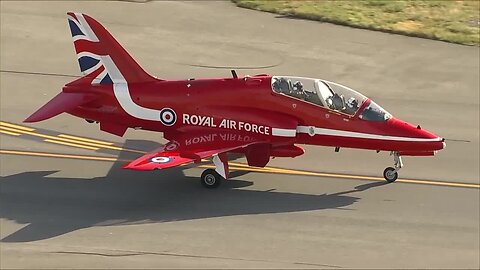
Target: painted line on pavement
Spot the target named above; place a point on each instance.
(84, 139)
(9, 133)
(72, 144)
(68, 140)
(58, 155)
(244, 167)
(350, 176)
(10, 125)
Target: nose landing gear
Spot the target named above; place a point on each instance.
(391, 173)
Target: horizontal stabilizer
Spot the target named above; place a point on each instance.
(63, 102)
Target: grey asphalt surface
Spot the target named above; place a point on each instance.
(91, 214)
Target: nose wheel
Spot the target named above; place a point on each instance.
(391, 173)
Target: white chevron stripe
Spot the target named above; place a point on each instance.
(122, 94)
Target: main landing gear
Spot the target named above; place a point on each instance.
(211, 179)
(391, 173)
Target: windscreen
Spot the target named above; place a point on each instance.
(373, 112)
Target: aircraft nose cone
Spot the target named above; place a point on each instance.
(436, 143)
(423, 139)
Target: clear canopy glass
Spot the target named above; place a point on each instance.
(373, 112)
(323, 93)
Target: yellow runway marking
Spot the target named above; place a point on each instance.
(238, 164)
(346, 176)
(87, 143)
(244, 167)
(16, 126)
(84, 139)
(53, 155)
(72, 144)
(13, 129)
(438, 183)
(92, 144)
(9, 133)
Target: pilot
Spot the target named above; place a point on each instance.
(276, 85)
(352, 106)
(338, 102)
(281, 85)
(298, 91)
(298, 86)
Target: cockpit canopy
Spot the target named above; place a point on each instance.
(329, 95)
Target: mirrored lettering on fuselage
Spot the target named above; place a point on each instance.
(217, 137)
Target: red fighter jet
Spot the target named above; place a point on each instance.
(259, 116)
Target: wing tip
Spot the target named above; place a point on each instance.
(37, 117)
(30, 119)
(130, 166)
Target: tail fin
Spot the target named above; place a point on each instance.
(101, 58)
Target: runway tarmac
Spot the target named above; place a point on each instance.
(65, 202)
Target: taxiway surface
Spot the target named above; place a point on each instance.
(70, 206)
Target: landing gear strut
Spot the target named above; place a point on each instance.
(391, 173)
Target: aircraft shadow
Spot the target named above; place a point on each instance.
(56, 206)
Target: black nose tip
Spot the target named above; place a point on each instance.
(443, 139)
(419, 127)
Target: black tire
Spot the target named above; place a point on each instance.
(390, 174)
(210, 179)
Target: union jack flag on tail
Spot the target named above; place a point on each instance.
(101, 58)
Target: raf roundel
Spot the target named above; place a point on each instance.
(168, 117)
(161, 159)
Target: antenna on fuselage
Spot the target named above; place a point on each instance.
(234, 74)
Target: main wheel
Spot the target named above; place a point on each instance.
(390, 174)
(210, 179)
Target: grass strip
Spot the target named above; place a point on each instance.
(448, 20)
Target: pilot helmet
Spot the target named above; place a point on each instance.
(298, 85)
(352, 102)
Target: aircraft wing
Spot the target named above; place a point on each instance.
(184, 149)
(158, 159)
